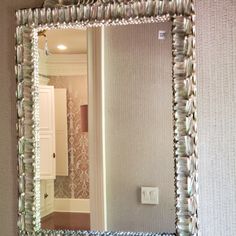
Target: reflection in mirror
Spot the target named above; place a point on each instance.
(63, 142)
(130, 68)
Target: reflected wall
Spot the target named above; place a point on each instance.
(139, 128)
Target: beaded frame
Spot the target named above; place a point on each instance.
(92, 13)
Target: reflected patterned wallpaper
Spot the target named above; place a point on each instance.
(76, 184)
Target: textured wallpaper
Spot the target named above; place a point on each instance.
(76, 185)
(216, 72)
(139, 128)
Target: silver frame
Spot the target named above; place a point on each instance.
(93, 14)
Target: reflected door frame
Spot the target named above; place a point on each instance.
(96, 134)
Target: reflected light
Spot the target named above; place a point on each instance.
(61, 47)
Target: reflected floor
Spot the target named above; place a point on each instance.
(66, 220)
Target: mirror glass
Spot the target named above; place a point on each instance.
(107, 89)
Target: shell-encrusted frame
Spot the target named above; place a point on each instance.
(93, 13)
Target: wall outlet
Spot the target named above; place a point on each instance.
(150, 195)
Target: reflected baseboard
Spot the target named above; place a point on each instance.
(71, 205)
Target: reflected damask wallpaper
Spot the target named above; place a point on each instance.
(76, 185)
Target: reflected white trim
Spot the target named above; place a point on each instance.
(72, 205)
(62, 64)
(103, 126)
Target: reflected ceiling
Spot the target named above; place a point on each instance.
(74, 40)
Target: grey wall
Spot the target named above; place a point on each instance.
(8, 160)
(216, 70)
(138, 127)
(216, 50)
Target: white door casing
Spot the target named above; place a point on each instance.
(47, 132)
(97, 173)
(61, 130)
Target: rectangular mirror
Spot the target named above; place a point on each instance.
(138, 127)
(106, 106)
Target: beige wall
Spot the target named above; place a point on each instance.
(138, 127)
(216, 115)
(216, 70)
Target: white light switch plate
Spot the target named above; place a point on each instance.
(150, 195)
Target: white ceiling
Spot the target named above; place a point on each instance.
(75, 40)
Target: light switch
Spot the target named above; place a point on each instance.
(161, 34)
(150, 195)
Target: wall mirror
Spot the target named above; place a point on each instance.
(106, 105)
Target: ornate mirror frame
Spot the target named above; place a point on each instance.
(90, 13)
